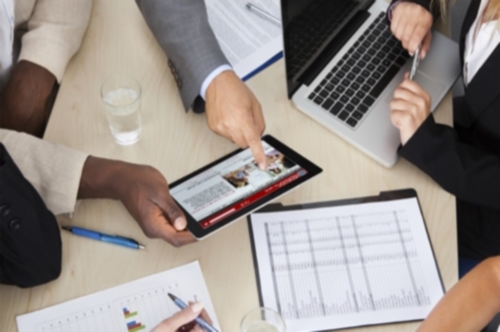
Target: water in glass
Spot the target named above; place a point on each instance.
(123, 112)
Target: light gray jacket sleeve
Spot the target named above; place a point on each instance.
(181, 28)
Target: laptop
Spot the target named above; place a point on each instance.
(343, 65)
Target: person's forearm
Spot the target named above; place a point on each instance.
(168, 19)
(144, 192)
(471, 303)
(466, 171)
(99, 178)
(23, 102)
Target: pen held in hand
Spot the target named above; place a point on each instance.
(416, 62)
(200, 321)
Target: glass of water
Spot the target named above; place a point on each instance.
(122, 101)
(262, 320)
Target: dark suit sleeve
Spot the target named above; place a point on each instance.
(30, 241)
(424, 3)
(181, 28)
(468, 173)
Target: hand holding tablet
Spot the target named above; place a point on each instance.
(234, 185)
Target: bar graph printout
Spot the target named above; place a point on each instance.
(136, 306)
(346, 266)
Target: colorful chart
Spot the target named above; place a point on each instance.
(134, 313)
(137, 306)
(132, 325)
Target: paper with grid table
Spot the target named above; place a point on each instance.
(346, 266)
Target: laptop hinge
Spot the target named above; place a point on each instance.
(333, 47)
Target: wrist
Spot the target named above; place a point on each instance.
(224, 79)
(393, 6)
(209, 79)
(101, 178)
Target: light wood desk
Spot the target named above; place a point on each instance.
(176, 143)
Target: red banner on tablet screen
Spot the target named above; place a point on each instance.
(250, 200)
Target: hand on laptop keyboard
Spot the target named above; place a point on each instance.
(409, 108)
(358, 79)
(411, 24)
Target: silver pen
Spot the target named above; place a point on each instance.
(200, 321)
(262, 13)
(416, 61)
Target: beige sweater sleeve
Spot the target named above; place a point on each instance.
(54, 170)
(55, 32)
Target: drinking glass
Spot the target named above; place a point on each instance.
(262, 320)
(122, 102)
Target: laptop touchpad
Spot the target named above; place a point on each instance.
(433, 88)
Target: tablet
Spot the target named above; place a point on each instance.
(233, 186)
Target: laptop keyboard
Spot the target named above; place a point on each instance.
(353, 85)
(308, 32)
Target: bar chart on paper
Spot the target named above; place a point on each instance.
(135, 313)
(363, 265)
(136, 306)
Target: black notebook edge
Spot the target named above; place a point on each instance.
(384, 196)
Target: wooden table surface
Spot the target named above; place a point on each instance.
(119, 42)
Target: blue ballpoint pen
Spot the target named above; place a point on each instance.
(203, 323)
(114, 239)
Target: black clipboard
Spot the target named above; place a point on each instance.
(384, 196)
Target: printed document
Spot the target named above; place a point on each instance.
(136, 306)
(346, 266)
(248, 40)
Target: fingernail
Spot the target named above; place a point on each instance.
(197, 307)
(180, 223)
(262, 166)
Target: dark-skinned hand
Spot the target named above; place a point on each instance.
(143, 190)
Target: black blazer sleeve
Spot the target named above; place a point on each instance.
(30, 240)
(424, 3)
(469, 173)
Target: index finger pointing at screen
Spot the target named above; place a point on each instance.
(255, 144)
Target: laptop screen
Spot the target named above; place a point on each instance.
(309, 27)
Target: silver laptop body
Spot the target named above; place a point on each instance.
(367, 125)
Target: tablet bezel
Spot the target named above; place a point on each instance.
(200, 232)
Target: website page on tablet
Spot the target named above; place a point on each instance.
(234, 184)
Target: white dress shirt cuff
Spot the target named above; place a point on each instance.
(211, 77)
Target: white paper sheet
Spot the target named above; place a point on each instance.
(144, 301)
(346, 266)
(247, 39)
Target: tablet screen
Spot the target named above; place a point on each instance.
(233, 184)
